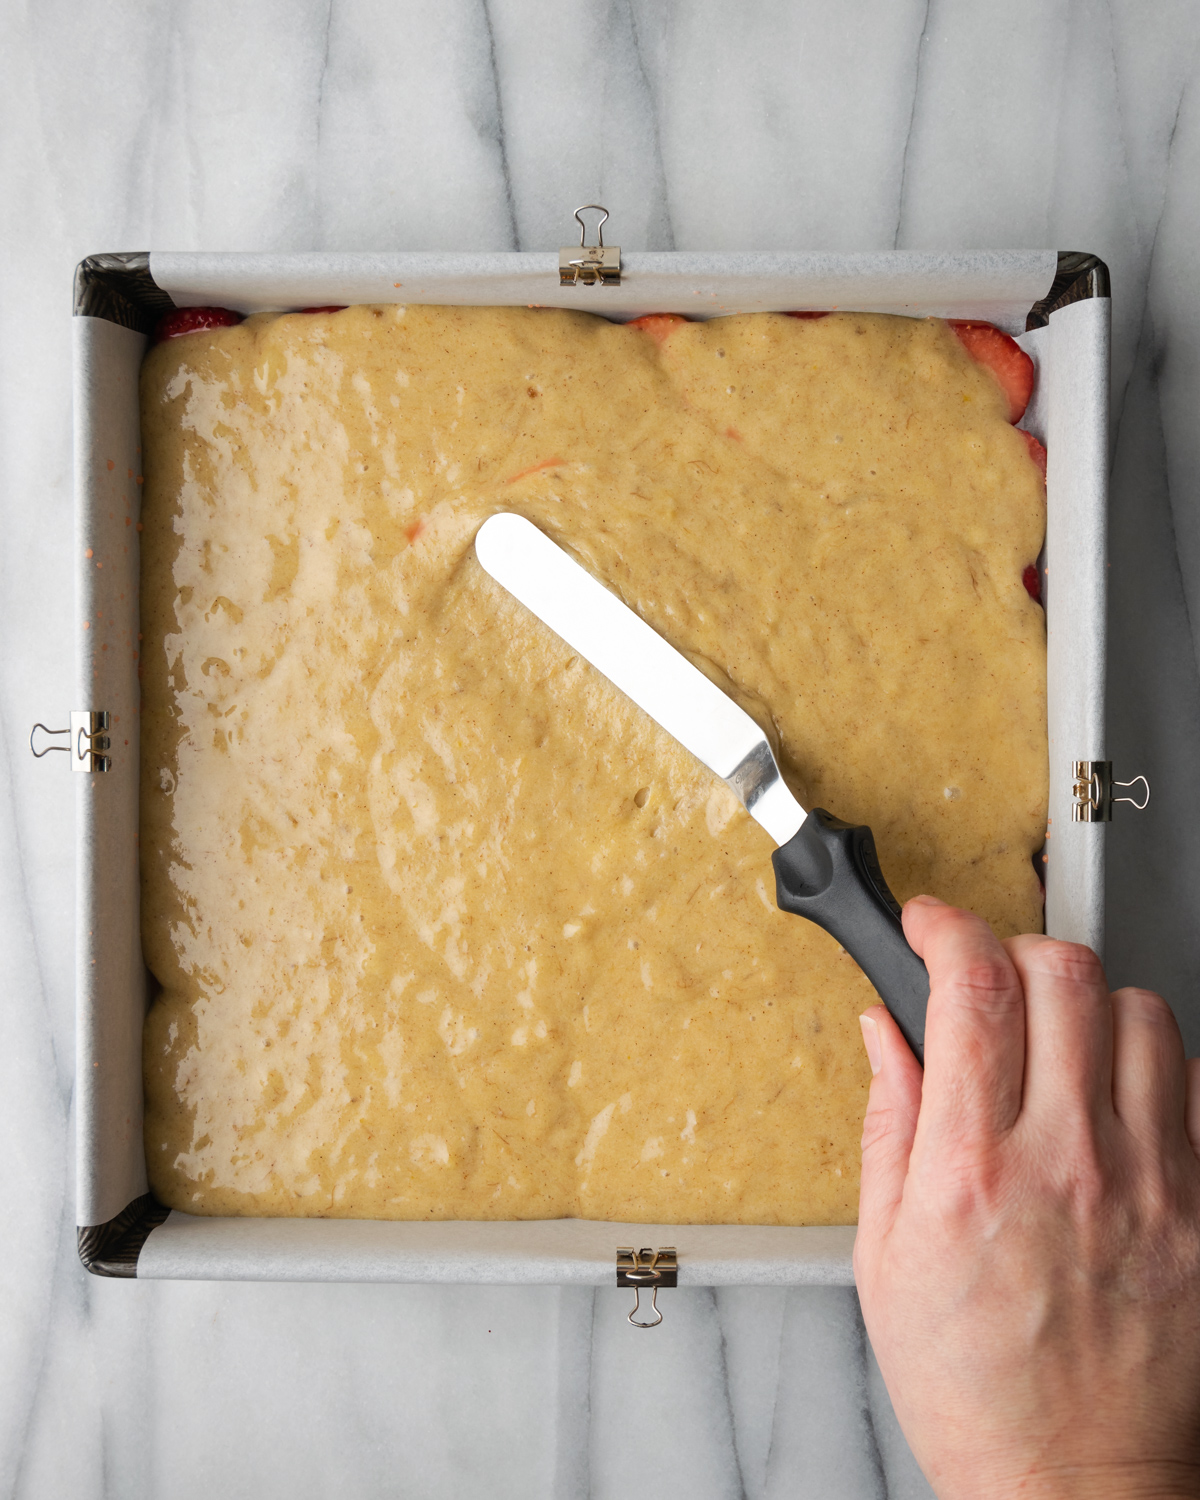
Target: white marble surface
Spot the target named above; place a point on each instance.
(481, 124)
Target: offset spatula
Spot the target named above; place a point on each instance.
(825, 870)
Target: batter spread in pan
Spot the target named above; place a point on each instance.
(444, 926)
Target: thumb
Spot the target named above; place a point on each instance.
(888, 1126)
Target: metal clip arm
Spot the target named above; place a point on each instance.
(46, 749)
(1133, 802)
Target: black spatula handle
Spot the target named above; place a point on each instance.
(829, 872)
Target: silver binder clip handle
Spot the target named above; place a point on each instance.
(1133, 802)
(46, 749)
(652, 1322)
(600, 209)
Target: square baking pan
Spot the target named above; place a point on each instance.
(1055, 303)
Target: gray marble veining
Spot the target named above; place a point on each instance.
(479, 124)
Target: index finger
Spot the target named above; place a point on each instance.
(975, 1027)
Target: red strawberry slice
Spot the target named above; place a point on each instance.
(660, 326)
(192, 319)
(1036, 451)
(1003, 356)
(1032, 580)
(806, 315)
(340, 308)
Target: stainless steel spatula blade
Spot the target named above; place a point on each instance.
(636, 659)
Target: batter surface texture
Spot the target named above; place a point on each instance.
(444, 926)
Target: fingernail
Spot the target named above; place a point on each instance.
(871, 1042)
(924, 901)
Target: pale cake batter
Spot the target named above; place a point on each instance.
(445, 927)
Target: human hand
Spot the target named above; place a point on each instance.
(1028, 1252)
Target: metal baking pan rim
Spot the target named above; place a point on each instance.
(118, 287)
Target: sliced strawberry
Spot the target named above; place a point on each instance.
(341, 308)
(174, 325)
(1003, 356)
(660, 326)
(806, 315)
(1032, 580)
(1036, 451)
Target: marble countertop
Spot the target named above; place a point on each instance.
(797, 124)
